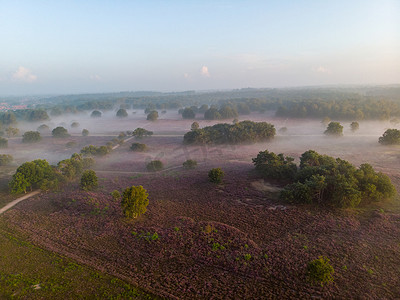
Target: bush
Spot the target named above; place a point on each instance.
(89, 180)
(190, 164)
(215, 175)
(60, 132)
(320, 271)
(134, 201)
(390, 137)
(116, 195)
(137, 147)
(31, 137)
(5, 159)
(155, 165)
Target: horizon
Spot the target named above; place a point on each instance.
(98, 47)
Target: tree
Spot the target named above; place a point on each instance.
(134, 201)
(189, 164)
(212, 114)
(121, 113)
(95, 114)
(188, 113)
(334, 129)
(152, 116)
(3, 142)
(215, 175)
(43, 128)
(89, 180)
(390, 137)
(59, 132)
(5, 159)
(354, 126)
(137, 147)
(271, 165)
(141, 132)
(155, 165)
(12, 131)
(31, 137)
(116, 195)
(85, 132)
(195, 126)
(75, 124)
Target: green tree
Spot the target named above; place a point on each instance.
(31, 137)
(59, 132)
(271, 165)
(121, 113)
(75, 124)
(188, 113)
(95, 114)
(85, 132)
(212, 114)
(134, 201)
(141, 132)
(43, 128)
(390, 137)
(152, 116)
(89, 180)
(137, 147)
(216, 175)
(334, 129)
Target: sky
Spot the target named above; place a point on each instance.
(69, 47)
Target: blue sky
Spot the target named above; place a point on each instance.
(106, 46)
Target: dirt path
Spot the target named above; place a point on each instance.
(16, 201)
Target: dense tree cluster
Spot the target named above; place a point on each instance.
(95, 151)
(72, 167)
(7, 118)
(242, 132)
(322, 179)
(31, 137)
(390, 137)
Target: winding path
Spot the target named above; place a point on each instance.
(16, 201)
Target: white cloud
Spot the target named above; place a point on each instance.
(321, 69)
(95, 77)
(24, 74)
(204, 71)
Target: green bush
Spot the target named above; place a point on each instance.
(320, 271)
(89, 180)
(215, 175)
(190, 164)
(155, 165)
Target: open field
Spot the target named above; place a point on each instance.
(199, 240)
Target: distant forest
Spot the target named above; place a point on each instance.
(341, 103)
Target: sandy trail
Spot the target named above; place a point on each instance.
(16, 201)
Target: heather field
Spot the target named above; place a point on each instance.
(200, 240)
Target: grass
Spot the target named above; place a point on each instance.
(29, 272)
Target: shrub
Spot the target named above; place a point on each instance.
(134, 201)
(31, 137)
(59, 132)
(320, 271)
(116, 195)
(89, 180)
(190, 164)
(85, 132)
(137, 147)
(215, 175)
(155, 165)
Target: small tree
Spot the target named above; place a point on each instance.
(121, 113)
(3, 142)
(85, 132)
(215, 175)
(60, 132)
(390, 137)
(134, 201)
(354, 126)
(95, 114)
(116, 195)
(334, 129)
(152, 116)
(320, 271)
(75, 124)
(141, 132)
(31, 137)
(188, 113)
(137, 147)
(155, 165)
(89, 180)
(190, 164)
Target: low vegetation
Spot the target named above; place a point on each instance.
(216, 175)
